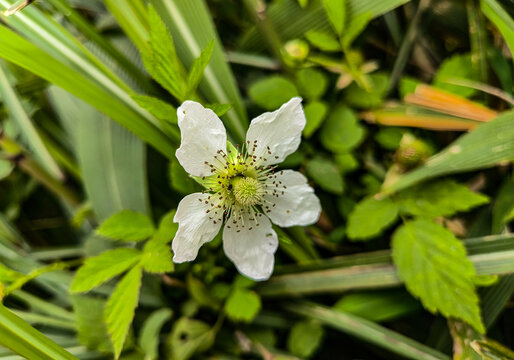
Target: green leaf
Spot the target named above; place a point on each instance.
(149, 336)
(487, 145)
(201, 294)
(242, 305)
(271, 92)
(341, 132)
(24, 340)
(503, 208)
(383, 212)
(457, 67)
(389, 138)
(199, 65)
(8, 275)
(219, 109)
(180, 179)
(305, 337)
(440, 198)
(6, 167)
(98, 269)
(326, 175)
(336, 13)
(323, 40)
(433, 264)
(127, 225)
(362, 99)
(189, 337)
(356, 25)
(157, 256)
(121, 307)
(501, 19)
(167, 228)
(89, 315)
(158, 108)
(378, 305)
(315, 113)
(162, 61)
(311, 83)
(346, 162)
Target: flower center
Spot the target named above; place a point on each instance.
(247, 190)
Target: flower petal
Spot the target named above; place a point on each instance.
(273, 136)
(202, 135)
(199, 221)
(251, 247)
(294, 200)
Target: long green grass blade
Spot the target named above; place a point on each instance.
(26, 341)
(16, 111)
(21, 52)
(366, 330)
(488, 145)
(501, 19)
(112, 160)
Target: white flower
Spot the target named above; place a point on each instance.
(242, 189)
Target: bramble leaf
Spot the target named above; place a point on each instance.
(370, 217)
(127, 225)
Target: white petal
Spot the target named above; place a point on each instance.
(202, 135)
(251, 248)
(275, 135)
(196, 226)
(295, 201)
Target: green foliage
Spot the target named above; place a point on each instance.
(361, 98)
(242, 305)
(149, 337)
(433, 264)
(315, 113)
(180, 179)
(188, 337)
(311, 83)
(341, 132)
(326, 175)
(440, 198)
(157, 256)
(89, 314)
(456, 68)
(305, 338)
(158, 108)
(355, 27)
(99, 269)
(127, 226)
(199, 65)
(336, 13)
(323, 40)
(120, 308)
(383, 212)
(271, 92)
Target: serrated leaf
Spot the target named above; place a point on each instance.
(323, 41)
(162, 61)
(121, 307)
(325, 173)
(198, 67)
(157, 256)
(435, 269)
(149, 337)
(383, 212)
(189, 337)
(440, 198)
(271, 92)
(242, 305)
(311, 83)
(89, 315)
(336, 13)
(341, 132)
(98, 269)
(305, 337)
(315, 113)
(158, 108)
(127, 225)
